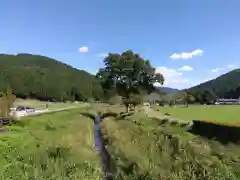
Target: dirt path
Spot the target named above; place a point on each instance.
(44, 111)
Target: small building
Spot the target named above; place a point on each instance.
(227, 101)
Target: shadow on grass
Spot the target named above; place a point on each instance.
(221, 133)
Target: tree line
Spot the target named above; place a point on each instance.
(126, 74)
(225, 86)
(43, 78)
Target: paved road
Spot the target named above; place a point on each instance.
(44, 111)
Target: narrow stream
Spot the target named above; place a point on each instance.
(107, 163)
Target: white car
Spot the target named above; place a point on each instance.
(146, 104)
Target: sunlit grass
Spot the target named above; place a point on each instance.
(220, 113)
(149, 149)
(51, 146)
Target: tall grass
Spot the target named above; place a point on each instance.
(54, 146)
(146, 149)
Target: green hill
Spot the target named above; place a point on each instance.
(167, 90)
(44, 78)
(224, 86)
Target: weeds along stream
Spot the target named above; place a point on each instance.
(52, 146)
(61, 146)
(146, 148)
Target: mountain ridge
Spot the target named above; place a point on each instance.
(224, 86)
(45, 78)
(167, 90)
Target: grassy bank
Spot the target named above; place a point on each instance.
(59, 146)
(52, 146)
(147, 148)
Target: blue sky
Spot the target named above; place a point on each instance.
(188, 41)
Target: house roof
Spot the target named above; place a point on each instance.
(228, 100)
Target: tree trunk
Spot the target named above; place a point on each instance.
(127, 108)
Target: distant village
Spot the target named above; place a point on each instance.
(228, 101)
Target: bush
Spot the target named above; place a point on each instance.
(161, 103)
(134, 101)
(167, 114)
(116, 100)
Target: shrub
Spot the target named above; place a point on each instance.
(164, 121)
(167, 114)
(134, 101)
(116, 100)
(173, 123)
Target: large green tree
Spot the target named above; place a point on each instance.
(128, 73)
(187, 98)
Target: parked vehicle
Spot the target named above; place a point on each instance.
(20, 108)
(26, 109)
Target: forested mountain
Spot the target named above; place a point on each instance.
(225, 86)
(167, 90)
(44, 78)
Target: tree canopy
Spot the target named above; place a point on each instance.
(225, 86)
(127, 73)
(44, 78)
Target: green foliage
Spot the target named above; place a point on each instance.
(50, 147)
(136, 100)
(127, 73)
(115, 100)
(149, 149)
(225, 86)
(186, 98)
(6, 102)
(133, 100)
(43, 78)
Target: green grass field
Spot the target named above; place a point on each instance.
(219, 113)
(146, 148)
(59, 146)
(52, 146)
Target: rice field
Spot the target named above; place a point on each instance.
(216, 113)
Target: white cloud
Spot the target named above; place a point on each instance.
(157, 84)
(102, 55)
(173, 78)
(186, 68)
(215, 70)
(231, 66)
(83, 49)
(168, 72)
(186, 55)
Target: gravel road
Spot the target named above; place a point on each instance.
(44, 111)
